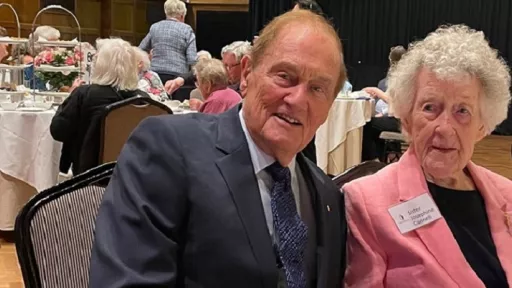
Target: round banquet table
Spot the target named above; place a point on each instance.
(29, 162)
(339, 140)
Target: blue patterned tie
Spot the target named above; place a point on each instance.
(291, 232)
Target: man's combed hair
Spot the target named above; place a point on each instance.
(452, 52)
(238, 48)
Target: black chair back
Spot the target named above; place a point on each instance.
(119, 121)
(54, 231)
(358, 171)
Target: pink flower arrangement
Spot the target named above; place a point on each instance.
(70, 61)
(56, 57)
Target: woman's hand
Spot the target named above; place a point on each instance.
(195, 104)
(173, 85)
(78, 82)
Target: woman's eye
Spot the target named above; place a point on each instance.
(428, 108)
(463, 111)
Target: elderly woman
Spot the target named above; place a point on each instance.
(436, 219)
(78, 120)
(149, 81)
(172, 42)
(212, 81)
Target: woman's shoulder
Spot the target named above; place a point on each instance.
(380, 187)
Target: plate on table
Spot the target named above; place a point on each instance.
(31, 109)
(5, 92)
(58, 43)
(53, 94)
(11, 40)
(14, 67)
(64, 69)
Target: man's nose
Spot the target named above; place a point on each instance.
(298, 94)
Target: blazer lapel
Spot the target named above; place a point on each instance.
(237, 170)
(499, 214)
(437, 235)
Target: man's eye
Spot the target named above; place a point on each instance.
(283, 76)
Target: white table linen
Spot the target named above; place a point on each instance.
(29, 162)
(339, 140)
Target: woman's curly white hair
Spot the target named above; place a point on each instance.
(451, 52)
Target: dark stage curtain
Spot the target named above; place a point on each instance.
(263, 11)
(369, 28)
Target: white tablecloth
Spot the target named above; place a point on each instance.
(29, 162)
(339, 139)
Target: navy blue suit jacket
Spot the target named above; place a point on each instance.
(183, 209)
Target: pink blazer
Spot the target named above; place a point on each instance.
(380, 256)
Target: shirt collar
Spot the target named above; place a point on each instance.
(260, 159)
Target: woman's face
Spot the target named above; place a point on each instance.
(445, 123)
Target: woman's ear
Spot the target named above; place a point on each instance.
(482, 132)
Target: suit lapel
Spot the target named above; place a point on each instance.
(237, 170)
(329, 229)
(412, 183)
(498, 210)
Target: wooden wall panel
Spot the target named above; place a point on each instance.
(495, 154)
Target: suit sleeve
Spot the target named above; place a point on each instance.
(145, 44)
(141, 220)
(366, 266)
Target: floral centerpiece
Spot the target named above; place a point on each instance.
(58, 58)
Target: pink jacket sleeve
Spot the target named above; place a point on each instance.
(366, 264)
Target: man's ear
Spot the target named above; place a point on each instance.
(246, 63)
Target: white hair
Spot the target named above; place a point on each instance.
(46, 32)
(203, 55)
(175, 8)
(212, 71)
(238, 48)
(452, 52)
(115, 64)
(142, 58)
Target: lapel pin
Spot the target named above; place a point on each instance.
(328, 208)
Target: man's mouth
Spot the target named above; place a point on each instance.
(288, 119)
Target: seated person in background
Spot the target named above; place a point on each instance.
(77, 122)
(436, 219)
(32, 49)
(172, 43)
(373, 146)
(347, 88)
(231, 56)
(149, 81)
(212, 81)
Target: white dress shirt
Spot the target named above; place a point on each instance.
(260, 161)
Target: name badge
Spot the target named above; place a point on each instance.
(415, 213)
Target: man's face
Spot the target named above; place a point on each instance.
(233, 67)
(289, 93)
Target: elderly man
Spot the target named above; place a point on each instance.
(226, 200)
(231, 56)
(172, 43)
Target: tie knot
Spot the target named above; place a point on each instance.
(278, 172)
